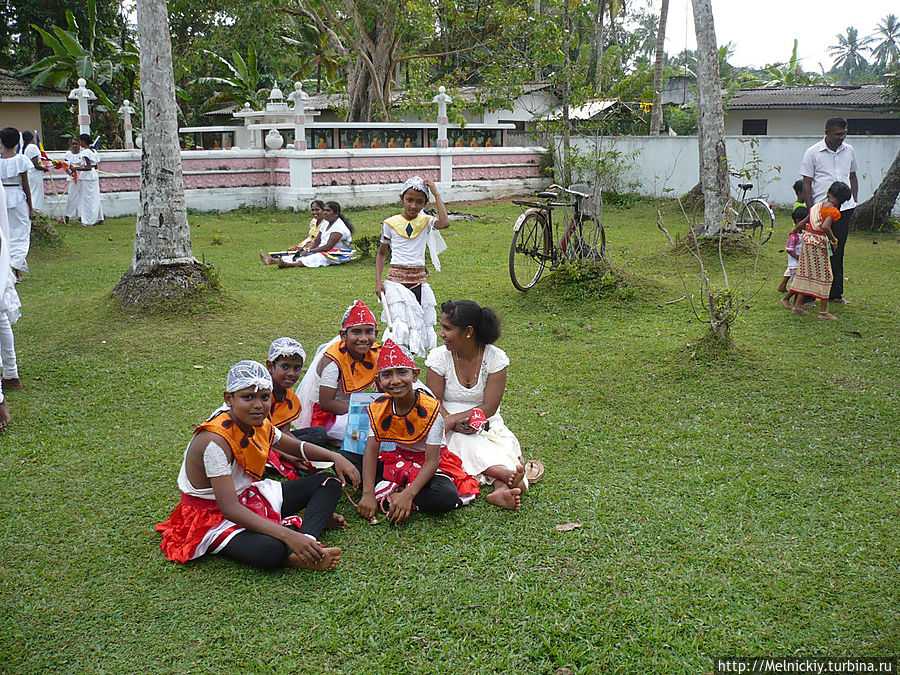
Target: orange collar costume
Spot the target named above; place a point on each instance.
(389, 427)
(285, 411)
(355, 375)
(249, 450)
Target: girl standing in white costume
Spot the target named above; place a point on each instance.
(14, 175)
(9, 312)
(35, 172)
(73, 159)
(405, 292)
(90, 209)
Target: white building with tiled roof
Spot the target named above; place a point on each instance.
(801, 111)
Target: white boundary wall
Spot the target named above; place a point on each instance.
(672, 162)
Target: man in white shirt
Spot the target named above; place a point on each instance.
(828, 161)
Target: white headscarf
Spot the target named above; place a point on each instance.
(245, 374)
(416, 183)
(285, 346)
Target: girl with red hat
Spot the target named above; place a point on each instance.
(421, 473)
(341, 367)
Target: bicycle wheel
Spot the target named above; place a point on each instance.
(571, 246)
(528, 251)
(593, 238)
(757, 220)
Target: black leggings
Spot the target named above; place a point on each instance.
(438, 495)
(841, 230)
(318, 494)
(315, 435)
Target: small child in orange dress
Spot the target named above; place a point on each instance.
(814, 275)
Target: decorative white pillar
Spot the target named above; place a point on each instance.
(82, 94)
(442, 100)
(126, 111)
(299, 97)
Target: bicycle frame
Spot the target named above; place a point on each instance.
(553, 251)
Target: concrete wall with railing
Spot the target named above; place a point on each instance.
(669, 165)
(227, 179)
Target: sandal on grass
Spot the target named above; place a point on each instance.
(534, 470)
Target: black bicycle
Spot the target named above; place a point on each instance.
(536, 245)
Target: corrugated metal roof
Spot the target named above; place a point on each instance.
(18, 87)
(867, 96)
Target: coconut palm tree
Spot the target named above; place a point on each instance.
(848, 54)
(325, 62)
(887, 52)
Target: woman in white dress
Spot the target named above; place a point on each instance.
(35, 172)
(467, 373)
(331, 247)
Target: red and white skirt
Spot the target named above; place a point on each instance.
(197, 526)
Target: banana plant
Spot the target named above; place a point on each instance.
(244, 82)
(100, 60)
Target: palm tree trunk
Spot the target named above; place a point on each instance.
(875, 212)
(710, 121)
(163, 267)
(656, 115)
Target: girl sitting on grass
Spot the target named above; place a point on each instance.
(468, 373)
(420, 473)
(332, 246)
(315, 207)
(814, 275)
(340, 367)
(226, 507)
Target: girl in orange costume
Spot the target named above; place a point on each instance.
(226, 507)
(421, 473)
(340, 367)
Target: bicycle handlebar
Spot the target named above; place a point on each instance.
(583, 195)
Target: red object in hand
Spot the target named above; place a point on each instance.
(478, 421)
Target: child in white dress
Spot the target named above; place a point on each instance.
(405, 292)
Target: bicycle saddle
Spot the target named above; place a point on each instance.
(745, 186)
(547, 195)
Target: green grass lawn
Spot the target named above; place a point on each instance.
(740, 503)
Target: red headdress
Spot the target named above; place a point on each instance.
(393, 356)
(357, 315)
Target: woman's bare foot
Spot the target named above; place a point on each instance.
(330, 559)
(827, 315)
(507, 498)
(515, 477)
(797, 310)
(337, 522)
(12, 383)
(4, 414)
(267, 259)
(787, 303)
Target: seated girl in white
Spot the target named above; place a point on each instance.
(466, 373)
(332, 246)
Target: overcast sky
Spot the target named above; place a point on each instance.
(763, 31)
